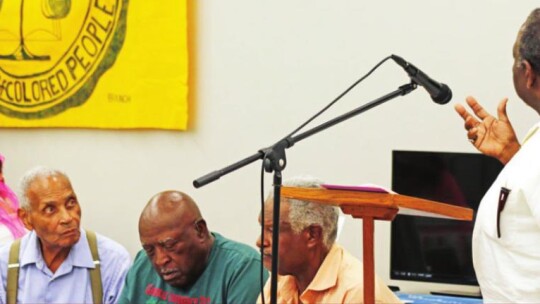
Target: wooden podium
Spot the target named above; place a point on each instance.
(371, 206)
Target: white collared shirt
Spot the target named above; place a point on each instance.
(508, 267)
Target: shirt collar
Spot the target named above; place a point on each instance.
(31, 253)
(531, 132)
(327, 274)
(79, 255)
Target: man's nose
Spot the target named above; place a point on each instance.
(262, 244)
(161, 257)
(65, 216)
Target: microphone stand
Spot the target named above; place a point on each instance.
(275, 161)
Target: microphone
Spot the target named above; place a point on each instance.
(439, 92)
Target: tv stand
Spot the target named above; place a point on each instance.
(453, 293)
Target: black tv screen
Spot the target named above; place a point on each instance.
(434, 249)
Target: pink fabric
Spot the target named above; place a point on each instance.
(9, 204)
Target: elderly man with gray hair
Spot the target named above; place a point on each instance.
(57, 261)
(312, 267)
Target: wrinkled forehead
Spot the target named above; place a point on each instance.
(53, 176)
(160, 234)
(49, 183)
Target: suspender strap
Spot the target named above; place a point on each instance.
(95, 273)
(13, 272)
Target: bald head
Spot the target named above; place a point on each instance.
(169, 205)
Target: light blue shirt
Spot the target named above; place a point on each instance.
(71, 281)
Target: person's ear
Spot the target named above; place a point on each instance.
(530, 74)
(202, 230)
(314, 235)
(24, 215)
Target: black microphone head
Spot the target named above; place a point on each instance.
(439, 92)
(399, 60)
(444, 95)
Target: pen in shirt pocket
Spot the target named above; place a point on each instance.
(503, 196)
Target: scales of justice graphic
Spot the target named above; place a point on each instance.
(51, 9)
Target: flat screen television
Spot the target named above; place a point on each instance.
(434, 249)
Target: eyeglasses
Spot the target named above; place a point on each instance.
(503, 196)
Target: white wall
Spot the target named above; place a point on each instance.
(260, 68)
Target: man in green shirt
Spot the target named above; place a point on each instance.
(183, 262)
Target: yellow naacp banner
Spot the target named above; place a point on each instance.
(93, 64)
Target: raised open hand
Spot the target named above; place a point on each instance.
(490, 135)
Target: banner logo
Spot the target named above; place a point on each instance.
(53, 52)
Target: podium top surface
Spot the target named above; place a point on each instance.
(407, 205)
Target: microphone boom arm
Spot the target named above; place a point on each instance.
(290, 141)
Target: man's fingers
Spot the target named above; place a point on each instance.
(501, 110)
(470, 122)
(477, 108)
(461, 111)
(472, 134)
